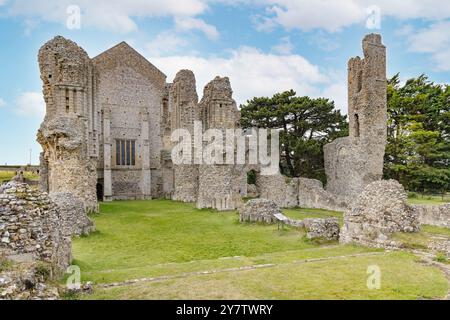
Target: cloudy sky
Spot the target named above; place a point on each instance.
(264, 46)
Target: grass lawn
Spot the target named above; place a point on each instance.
(160, 238)
(8, 175)
(430, 200)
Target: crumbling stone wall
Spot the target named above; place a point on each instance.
(297, 192)
(67, 139)
(278, 188)
(259, 210)
(311, 194)
(32, 228)
(434, 215)
(184, 111)
(354, 162)
(74, 218)
(378, 212)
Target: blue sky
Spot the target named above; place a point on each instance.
(264, 46)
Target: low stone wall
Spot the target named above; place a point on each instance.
(434, 215)
(311, 194)
(324, 229)
(259, 210)
(32, 228)
(298, 192)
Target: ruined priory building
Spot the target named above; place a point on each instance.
(353, 162)
(109, 119)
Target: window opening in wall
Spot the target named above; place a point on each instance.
(125, 152)
(357, 125)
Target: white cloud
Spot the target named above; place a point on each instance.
(2, 103)
(334, 15)
(434, 40)
(166, 43)
(113, 15)
(189, 23)
(30, 104)
(253, 73)
(285, 46)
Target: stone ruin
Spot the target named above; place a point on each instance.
(35, 239)
(32, 228)
(378, 212)
(297, 192)
(264, 211)
(354, 162)
(107, 130)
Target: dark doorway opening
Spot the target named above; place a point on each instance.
(99, 192)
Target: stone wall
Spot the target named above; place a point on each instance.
(32, 228)
(278, 188)
(311, 194)
(67, 137)
(259, 210)
(297, 192)
(434, 215)
(74, 218)
(354, 162)
(379, 211)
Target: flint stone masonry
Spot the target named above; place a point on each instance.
(108, 125)
(259, 210)
(434, 215)
(324, 229)
(377, 213)
(311, 194)
(74, 217)
(25, 283)
(354, 162)
(32, 228)
(297, 192)
(278, 188)
(252, 191)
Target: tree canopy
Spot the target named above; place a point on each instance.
(418, 149)
(305, 125)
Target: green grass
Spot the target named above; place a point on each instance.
(142, 239)
(401, 278)
(422, 239)
(8, 175)
(429, 200)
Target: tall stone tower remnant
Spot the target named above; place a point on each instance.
(67, 135)
(353, 162)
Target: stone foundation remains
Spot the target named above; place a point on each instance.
(377, 213)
